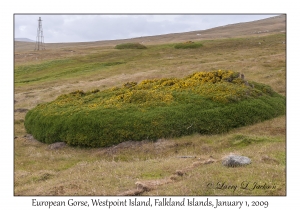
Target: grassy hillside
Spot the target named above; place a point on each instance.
(238, 54)
(76, 171)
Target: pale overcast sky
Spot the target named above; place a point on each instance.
(92, 27)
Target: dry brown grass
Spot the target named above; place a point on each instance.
(112, 171)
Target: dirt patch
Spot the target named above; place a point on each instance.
(57, 145)
(148, 185)
(21, 110)
(269, 160)
(158, 145)
(29, 139)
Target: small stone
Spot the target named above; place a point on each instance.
(235, 160)
(57, 145)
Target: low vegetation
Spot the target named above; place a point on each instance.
(130, 46)
(188, 45)
(205, 102)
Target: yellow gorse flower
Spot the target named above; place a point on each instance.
(221, 86)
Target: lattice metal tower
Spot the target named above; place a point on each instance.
(39, 45)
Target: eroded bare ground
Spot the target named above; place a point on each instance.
(149, 185)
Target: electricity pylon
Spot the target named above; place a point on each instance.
(39, 44)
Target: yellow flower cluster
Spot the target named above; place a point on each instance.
(220, 86)
(140, 97)
(216, 76)
(74, 98)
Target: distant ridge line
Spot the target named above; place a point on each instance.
(23, 40)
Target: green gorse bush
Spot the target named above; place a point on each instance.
(204, 102)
